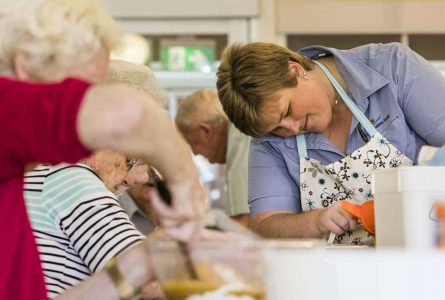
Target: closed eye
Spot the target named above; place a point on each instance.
(282, 116)
(288, 111)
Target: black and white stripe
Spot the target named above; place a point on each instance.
(78, 224)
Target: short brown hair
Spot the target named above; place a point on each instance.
(249, 75)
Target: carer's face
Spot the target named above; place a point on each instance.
(297, 110)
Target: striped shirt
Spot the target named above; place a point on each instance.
(77, 222)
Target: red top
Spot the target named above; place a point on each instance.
(38, 124)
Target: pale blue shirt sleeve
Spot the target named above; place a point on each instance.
(272, 187)
(421, 94)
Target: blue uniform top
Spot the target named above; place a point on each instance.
(398, 90)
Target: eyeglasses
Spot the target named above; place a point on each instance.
(131, 163)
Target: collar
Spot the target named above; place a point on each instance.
(362, 80)
(313, 141)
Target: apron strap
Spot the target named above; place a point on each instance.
(363, 120)
(301, 145)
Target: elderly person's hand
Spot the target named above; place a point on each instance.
(182, 220)
(336, 220)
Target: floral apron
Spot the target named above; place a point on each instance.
(349, 178)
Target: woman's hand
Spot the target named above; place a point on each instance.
(336, 220)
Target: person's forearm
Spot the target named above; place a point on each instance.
(242, 219)
(137, 126)
(121, 118)
(133, 264)
(289, 225)
(99, 286)
(157, 141)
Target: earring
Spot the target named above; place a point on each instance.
(305, 75)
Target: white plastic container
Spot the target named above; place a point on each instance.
(354, 274)
(404, 206)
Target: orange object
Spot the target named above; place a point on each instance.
(440, 211)
(363, 212)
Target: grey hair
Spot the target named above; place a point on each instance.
(55, 35)
(201, 106)
(138, 76)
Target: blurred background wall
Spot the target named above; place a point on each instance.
(182, 41)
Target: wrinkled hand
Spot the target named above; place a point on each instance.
(336, 220)
(184, 219)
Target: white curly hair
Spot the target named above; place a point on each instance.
(55, 35)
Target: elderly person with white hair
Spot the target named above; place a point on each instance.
(55, 39)
(63, 121)
(205, 126)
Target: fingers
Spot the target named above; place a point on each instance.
(342, 223)
(352, 220)
(334, 219)
(176, 224)
(353, 223)
(166, 213)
